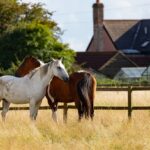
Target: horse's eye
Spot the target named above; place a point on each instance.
(59, 68)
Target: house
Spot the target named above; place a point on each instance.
(130, 73)
(146, 73)
(115, 63)
(117, 43)
(94, 60)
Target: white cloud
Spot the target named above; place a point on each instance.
(72, 18)
(75, 44)
(118, 3)
(129, 9)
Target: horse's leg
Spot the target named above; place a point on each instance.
(92, 96)
(32, 110)
(37, 105)
(80, 111)
(92, 111)
(65, 113)
(54, 115)
(53, 104)
(5, 105)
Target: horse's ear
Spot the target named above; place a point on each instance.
(53, 59)
(61, 59)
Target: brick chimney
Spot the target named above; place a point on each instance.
(98, 16)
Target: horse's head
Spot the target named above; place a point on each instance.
(59, 69)
(32, 62)
(29, 63)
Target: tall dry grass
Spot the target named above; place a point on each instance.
(110, 130)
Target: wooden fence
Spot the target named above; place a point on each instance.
(129, 107)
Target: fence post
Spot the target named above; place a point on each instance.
(129, 102)
(65, 112)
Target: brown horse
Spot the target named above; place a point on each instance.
(80, 89)
(28, 64)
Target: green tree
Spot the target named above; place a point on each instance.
(13, 13)
(32, 39)
(30, 31)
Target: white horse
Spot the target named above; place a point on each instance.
(31, 88)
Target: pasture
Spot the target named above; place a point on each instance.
(110, 129)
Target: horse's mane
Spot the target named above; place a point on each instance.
(43, 70)
(41, 62)
(81, 71)
(32, 73)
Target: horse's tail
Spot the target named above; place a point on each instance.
(86, 91)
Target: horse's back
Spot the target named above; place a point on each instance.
(75, 78)
(12, 79)
(67, 91)
(86, 80)
(6, 79)
(12, 88)
(78, 76)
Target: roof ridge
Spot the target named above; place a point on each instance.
(109, 36)
(126, 19)
(119, 52)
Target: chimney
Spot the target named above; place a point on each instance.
(98, 25)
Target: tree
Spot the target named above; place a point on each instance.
(31, 31)
(13, 13)
(32, 39)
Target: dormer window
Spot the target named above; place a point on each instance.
(145, 30)
(145, 44)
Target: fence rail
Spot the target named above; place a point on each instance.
(130, 89)
(129, 107)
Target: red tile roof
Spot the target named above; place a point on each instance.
(125, 35)
(116, 28)
(108, 43)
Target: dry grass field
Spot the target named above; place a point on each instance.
(110, 130)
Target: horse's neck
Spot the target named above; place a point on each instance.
(48, 77)
(40, 78)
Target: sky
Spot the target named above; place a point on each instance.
(74, 17)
